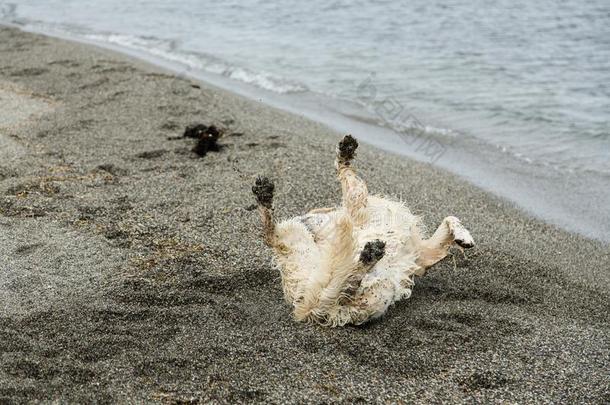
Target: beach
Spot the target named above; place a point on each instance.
(133, 270)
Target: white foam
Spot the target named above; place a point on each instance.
(169, 50)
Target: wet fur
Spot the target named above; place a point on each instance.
(350, 263)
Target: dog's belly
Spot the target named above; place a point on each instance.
(315, 223)
(387, 220)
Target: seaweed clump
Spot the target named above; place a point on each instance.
(207, 138)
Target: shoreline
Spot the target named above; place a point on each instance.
(133, 270)
(574, 201)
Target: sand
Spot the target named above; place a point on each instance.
(132, 270)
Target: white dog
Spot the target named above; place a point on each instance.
(349, 264)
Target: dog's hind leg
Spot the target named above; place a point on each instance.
(355, 305)
(354, 190)
(372, 252)
(433, 250)
(339, 273)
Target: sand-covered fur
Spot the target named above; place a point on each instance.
(350, 263)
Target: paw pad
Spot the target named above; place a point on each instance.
(466, 244)
(373, 251)
(347, 148)
(263, 191)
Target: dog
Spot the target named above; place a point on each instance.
(347, 265)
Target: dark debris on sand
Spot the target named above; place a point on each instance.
(206, 136)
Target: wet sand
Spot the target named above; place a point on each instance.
(132, 270)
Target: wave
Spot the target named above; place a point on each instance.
(164, 48)
(191, 62)
(170, 50)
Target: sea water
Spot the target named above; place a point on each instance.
(512, 95)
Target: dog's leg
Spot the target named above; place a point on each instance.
(337, 300)
(263, 191)
(338, 276)
(433, 250)
(325, 282)
(355, 306)
(371, 253)
(353, 187)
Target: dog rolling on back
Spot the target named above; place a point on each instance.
(350, 263)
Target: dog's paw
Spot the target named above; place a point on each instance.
(461, 236)
(263, 191)
(372, 252)
(346, 150)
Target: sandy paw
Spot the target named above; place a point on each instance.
(373, 251)
(461, 236)
(346, 150)
(263, 191)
